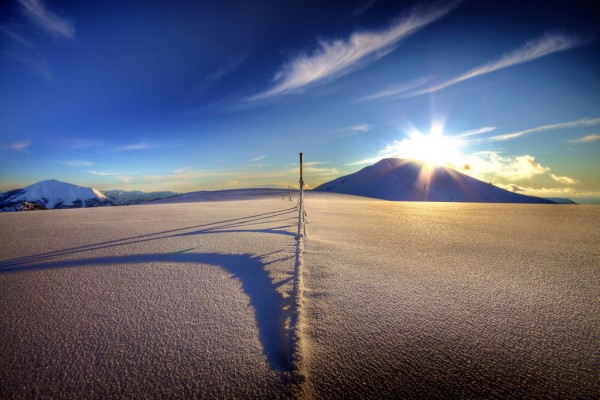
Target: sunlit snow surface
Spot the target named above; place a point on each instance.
(400, 299)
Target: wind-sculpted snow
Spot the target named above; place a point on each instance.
(398, 300)
(162, 301)
(446, 300)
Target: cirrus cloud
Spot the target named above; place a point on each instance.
(337, 57)
(53, 23)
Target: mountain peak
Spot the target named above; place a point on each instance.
(411, 180)
(53, 193)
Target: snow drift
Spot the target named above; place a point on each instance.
(409, 180)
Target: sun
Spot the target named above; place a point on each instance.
(433, 148)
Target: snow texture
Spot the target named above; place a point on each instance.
(409, 180)
(162, 301)
(451, 300)
(204, 299)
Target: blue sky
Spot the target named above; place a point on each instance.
(188, 95)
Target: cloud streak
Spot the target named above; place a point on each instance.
(478, 131)
(586, 139)
(354, 130)
(257, 159)
(546, 45)
(564, 125)
(133, 147)
(337, 57)
(77, 163)
(47, 20)
(103, 173)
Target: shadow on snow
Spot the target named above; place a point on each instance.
(271, 309)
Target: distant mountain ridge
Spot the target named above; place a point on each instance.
(52, 194)
(410, 180)
(129, 197)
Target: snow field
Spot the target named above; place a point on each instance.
(221, 300)
(439, 300)
(176, 300)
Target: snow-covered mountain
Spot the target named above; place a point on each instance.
(409, 180)
(52, 194)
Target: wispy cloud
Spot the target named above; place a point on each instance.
(228, 66)
(78, 144)
(56, 25)
(586, 139)
(363, 7)
(77, 163)
(35, 62)
(182, 170)
(103, 173)
(354, 130)
(397, 90)
(563, 179)
(16, 37)
(337, 57)
(134, 147)
(532, 50)
(19, 145)
(564, 125)
(257, 159)
(479, 131)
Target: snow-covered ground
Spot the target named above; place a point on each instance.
(409, 299)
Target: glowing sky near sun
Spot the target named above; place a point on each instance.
(188, 95)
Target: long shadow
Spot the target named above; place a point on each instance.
(212, 227)
(270, 307)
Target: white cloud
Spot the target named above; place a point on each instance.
(182, 170)
(479, 131)
(47, 20)
(564, 179)
(337, 57)
(505, 170)
(564, 125)
(493, 166)
(77, 163)
(587, 139)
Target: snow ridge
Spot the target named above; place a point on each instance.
(297, 350)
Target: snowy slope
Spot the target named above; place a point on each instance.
(401, 300)
(408, 180)
(226, 195)
(55, 194)
(127, 197)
